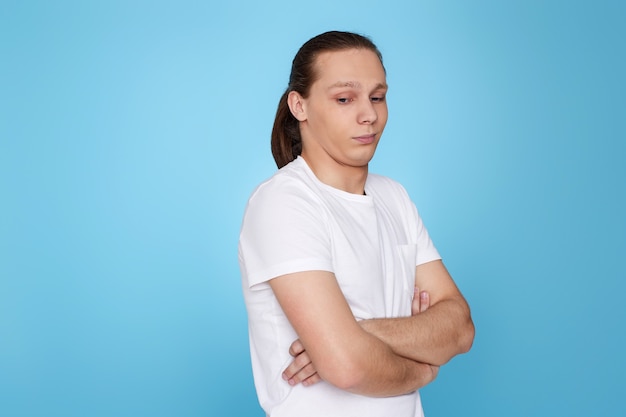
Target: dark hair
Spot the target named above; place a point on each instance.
(286, 139)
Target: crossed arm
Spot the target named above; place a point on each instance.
(440, 333)
(381, 357)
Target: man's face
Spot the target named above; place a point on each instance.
(345, 113)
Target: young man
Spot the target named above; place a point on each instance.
(331, 255)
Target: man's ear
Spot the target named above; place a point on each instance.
(297, 106)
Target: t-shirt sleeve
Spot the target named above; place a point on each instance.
(284, 231)
(426, 250)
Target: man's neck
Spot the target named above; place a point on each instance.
(343, 177)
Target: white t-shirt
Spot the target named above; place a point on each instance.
(372, 243)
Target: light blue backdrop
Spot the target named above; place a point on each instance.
(132, 132)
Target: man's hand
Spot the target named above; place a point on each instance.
(442, 332)
(302, 370)
(421, 302)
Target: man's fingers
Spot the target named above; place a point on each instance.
(299, 362)
(415, 304)
(303, 376)
(299, 369)
(296, 348)
(313, 379)
(424, 301)
(421, 301)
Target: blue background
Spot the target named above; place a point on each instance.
(132, 133)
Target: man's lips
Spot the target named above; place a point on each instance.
(366, 139)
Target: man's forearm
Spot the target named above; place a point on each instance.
(384, 373)
(302, 370)
(434, 336)
(343, 353)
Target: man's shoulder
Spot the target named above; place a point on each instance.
(290, 180)
(288, 192)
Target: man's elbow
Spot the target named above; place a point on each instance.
(465, 329)
(463, 340)
(347, 374)
(347, 362)
(466, 337)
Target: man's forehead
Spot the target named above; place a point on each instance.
(347, 58)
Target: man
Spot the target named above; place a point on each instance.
(331, 255)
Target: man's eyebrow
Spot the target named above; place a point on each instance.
(356, 85)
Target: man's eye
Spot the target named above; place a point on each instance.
(378, 99)
(343, 100)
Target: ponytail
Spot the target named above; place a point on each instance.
(286, 140)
